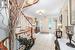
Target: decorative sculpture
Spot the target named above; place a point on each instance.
(69, 31)
(16, 7)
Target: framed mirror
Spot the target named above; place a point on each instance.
(72, 12)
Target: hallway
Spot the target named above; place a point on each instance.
(37, 25)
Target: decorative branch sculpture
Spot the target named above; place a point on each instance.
(15, 11)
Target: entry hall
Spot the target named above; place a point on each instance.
(37, 25)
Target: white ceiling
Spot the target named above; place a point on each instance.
(51, 7)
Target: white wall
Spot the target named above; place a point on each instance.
(66, 20)
(4, 29)
(3, 23)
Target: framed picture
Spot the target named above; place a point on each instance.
(72, 11)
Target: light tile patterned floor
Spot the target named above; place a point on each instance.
(44, 42)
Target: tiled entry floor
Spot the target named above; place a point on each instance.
(44, 42)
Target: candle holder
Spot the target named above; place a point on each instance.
(70, 39)
(70, 34)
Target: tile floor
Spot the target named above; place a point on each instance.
(44, 42)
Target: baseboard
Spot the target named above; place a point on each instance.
(44, 32)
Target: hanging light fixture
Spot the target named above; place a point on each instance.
(40, 12)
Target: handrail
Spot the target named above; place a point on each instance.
(31, 4)
(26, 32)
(22, 32)
(28, 6)
(4, 39)
(26, 18)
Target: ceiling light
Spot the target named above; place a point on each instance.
(40, 12)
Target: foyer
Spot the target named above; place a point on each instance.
(37, 25)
